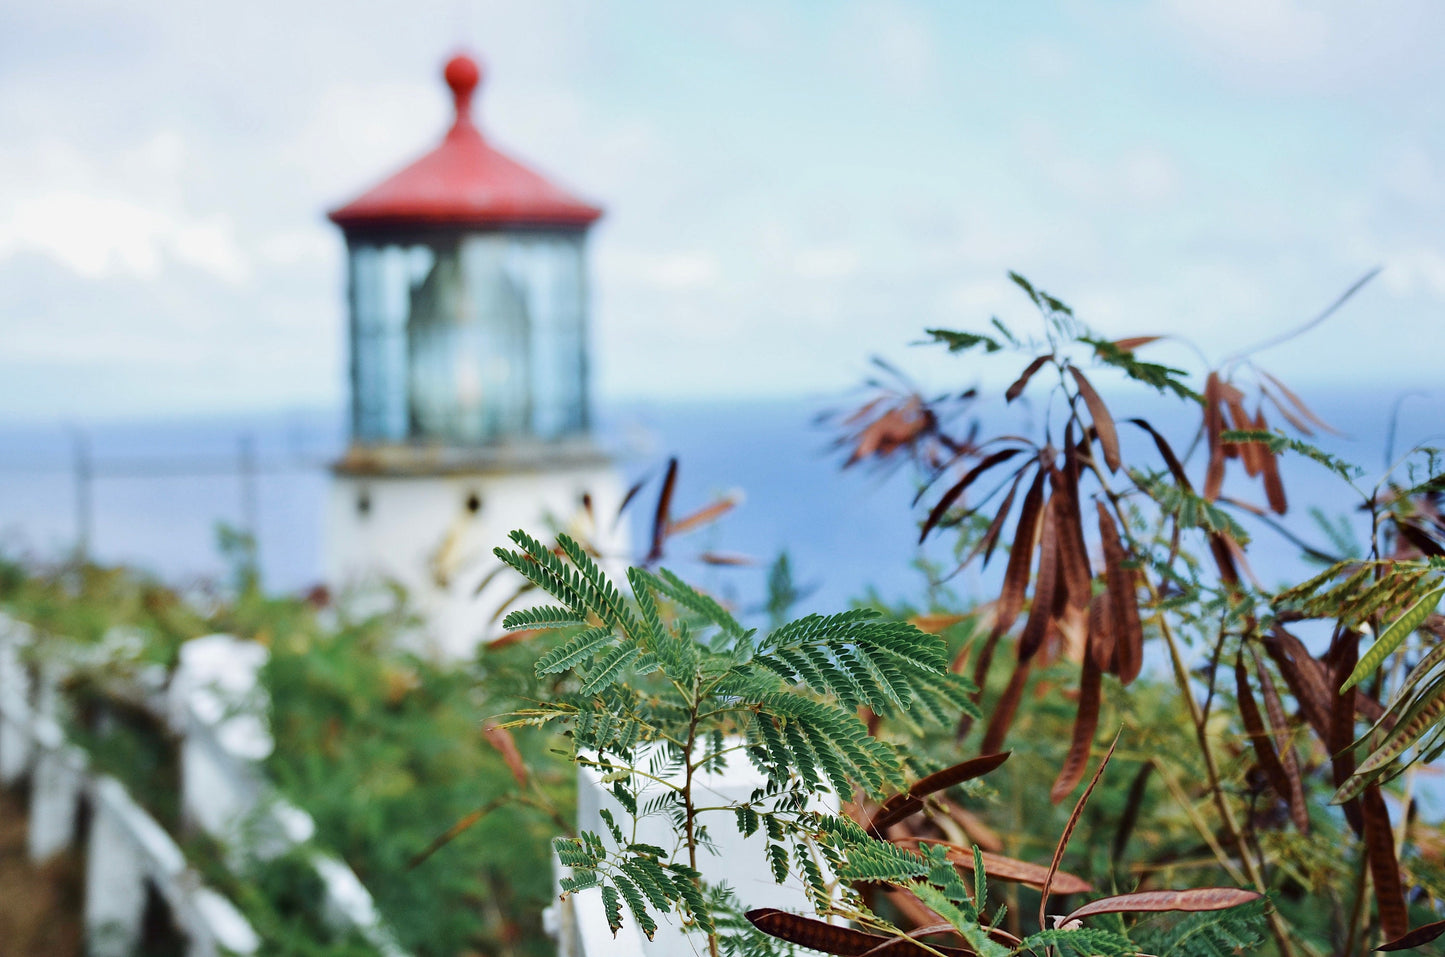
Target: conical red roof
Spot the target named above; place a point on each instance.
(465, 182)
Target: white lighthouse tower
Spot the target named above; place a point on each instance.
(469, 376)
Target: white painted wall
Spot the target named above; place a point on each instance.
(418, 531)
(739, 862)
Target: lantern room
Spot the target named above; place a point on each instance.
(467, 294)
(468, 297)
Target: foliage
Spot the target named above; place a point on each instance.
(1121, 553)
(665, 686)
(383, 748)
(1113, 552)
(1211, 934)
(88, 603)
(279, 899)
(670, 685)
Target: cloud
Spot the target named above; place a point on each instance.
(788, 188)
(1144, 175)
(663, 270)
(826, 263)
(99, 236)
(1048, 59)
(1293, 45)
(1265, 32)
(112, 213)
(888, 44)
(1417, 270)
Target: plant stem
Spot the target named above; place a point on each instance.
(1362, 883)
(1201, 731)
(1211, 768)
(690, 828)
(1205, 834)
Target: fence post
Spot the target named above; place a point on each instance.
(84, 477)
(115, 887)
(54, 798)
(246, 465)
(15, 692)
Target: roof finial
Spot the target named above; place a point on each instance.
(462, 75)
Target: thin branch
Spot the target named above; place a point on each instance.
(1294, 539)
(1301, 330)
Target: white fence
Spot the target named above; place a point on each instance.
(125, 849)
(214, 705)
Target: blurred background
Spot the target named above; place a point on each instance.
(793, 193)
(790, 189)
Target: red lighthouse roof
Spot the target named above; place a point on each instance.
(465, 182)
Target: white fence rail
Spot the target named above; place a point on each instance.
(214, 705)
(125, 849)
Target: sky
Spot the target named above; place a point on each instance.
(791, 187)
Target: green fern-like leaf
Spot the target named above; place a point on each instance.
(1189, 509)
(813, 876)
(543, 616)
(599, 590)
(647, 605)
(1083, 942)
(963, 341)
(747, 820)
(637, 904)
(648, 875)
(704, 606)
(573, 652)
(688, 881)
(578, 853)
(1278, 442)
(872, 860)
(1161, 377)
(1225, 933)
(812, 726)
(772, 735)
(778, 862)
(579, 881)
(610, 668)
(539, 565)
(612, 903)
(801, 752)
(964, 920)
(980, 880)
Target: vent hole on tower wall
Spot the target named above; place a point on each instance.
(363, 503)
(474, 503)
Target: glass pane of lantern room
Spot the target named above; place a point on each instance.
(468, 340)
(550, 271)
(383, 282)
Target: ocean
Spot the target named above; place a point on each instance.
(161, 488)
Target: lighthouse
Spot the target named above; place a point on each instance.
(468, 357)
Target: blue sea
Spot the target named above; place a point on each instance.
(848, 533)
(161, 488)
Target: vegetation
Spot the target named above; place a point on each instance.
(1256, 743)
(383, 748)
(673, 687)
(1116, 554)
(386, 749)
(1133, 732)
